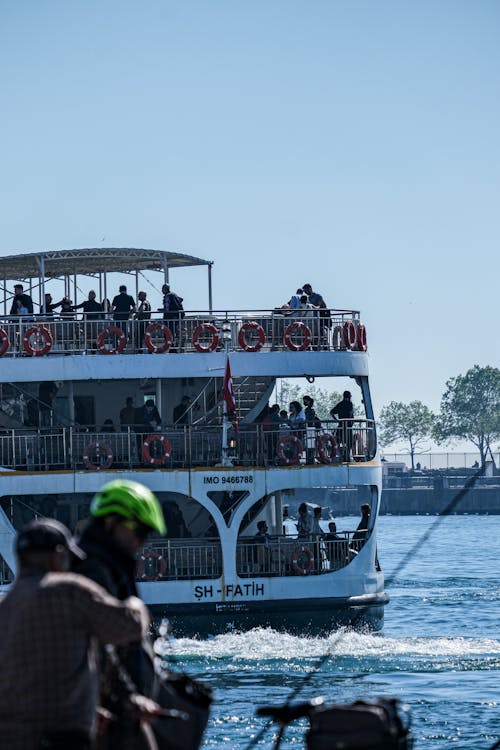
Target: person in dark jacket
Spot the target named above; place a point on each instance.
(124, 513)
(22, 304)
(344, 412)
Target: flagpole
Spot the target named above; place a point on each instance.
(225, 448)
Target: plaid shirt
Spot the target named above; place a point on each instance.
(50, 626)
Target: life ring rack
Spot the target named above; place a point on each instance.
(285, 443)
(326, 446)
(160, 566)
(251, 325)
(205, 328)
(146, 449)
(97, 449)
(44, 333)
(4, 341)
(167, 336)
(301, 560)
(293, 328)
(120, 341)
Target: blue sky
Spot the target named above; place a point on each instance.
(352, 144)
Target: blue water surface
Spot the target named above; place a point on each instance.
(439, 651)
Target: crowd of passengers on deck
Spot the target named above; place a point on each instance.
(309, 320)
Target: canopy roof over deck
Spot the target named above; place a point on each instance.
(95, 261)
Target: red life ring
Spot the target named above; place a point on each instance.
(167, 336)
(327, 448)
(251, 325)
(146, 451)
(44, 333)
(287, 442)
(5, 341)
(301, 560)
(349, 334)
(207, 328)
(94, 450)
(120, 343)
(361, 338)
(158, 570)
(297, 325)
(337, 338)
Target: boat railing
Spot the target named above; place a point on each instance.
(190, 331)
(185, 559)
(189, 446)
(180, 559)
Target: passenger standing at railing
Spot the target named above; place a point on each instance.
(317, 537)
(312, 424)
(323, 315)
(92, 312)
(173, 311)
(297, 420)
(22, 304)
(143, 314)
(344, 411)
(361, 532)
(304, 524)
(123, 306)
(262, 553)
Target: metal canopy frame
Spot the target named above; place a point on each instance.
(95, 261)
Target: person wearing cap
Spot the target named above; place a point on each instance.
(123, 514)
(51, 621)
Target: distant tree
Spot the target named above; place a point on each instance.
(470, 409)
(411, 423)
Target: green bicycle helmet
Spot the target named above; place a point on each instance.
(130, 500)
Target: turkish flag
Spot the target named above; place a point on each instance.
(228, 395)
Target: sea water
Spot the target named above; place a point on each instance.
(439, 651)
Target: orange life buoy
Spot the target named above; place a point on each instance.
(289, 444)
(296, 326)
(147, 571)
(327, 448)
(120, 341)
(167, 338)
(4, 341)
(206, 328)
(337, 338)
(44, 334)
(361, 337)
(302, 560)
(146, 450)
(349, 334)
(251, 325)
(94, 451)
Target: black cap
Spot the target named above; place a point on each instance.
(44, 535)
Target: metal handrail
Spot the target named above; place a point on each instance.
(80, 334)
(187, 446)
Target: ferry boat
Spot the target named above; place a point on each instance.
(76, 396)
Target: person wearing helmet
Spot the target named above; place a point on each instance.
(123, 514)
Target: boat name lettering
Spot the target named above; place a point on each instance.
(232, 479)
(230, 589)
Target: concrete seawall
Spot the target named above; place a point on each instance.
(400, 501)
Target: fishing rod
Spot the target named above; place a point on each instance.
(447, 510)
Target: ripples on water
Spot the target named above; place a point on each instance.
(439, 651)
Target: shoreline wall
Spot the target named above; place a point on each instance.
(399, 501)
